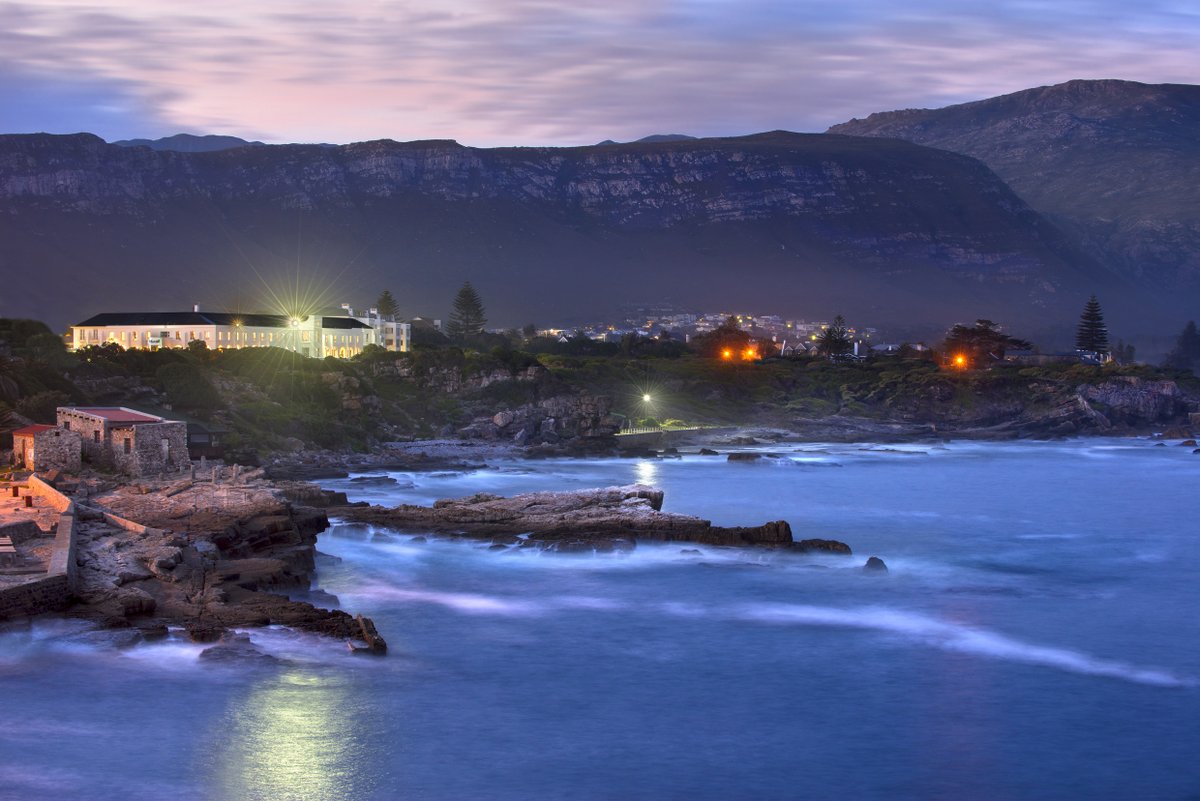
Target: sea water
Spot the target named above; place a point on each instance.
(1037, 635)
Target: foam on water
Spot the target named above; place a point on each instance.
(956, 637)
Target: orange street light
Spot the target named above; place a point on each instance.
(960, 361)
(727, 354)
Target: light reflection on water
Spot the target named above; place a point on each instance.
(293, 737)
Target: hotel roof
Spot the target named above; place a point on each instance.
(174, 319)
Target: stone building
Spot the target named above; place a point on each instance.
(126, 440)
(42, 447)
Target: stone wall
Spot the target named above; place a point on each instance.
(62, 558)
(56, 449)
(55, 590)
(49, 594)
(20, 532)
(53, 498)
(96, 448)
(153, 448)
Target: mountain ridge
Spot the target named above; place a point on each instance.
(805, 224)
(1115, 163)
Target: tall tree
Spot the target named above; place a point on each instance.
(1092, 334)
(387, 305)
(467, 318)
(1186, 353)
(835, 341)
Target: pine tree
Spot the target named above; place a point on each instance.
(835, 339)
(1092, 333)
(386, 305)
(467, 318)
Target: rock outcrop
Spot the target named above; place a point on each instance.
(206, 561)
(582, 520)
(572, 419)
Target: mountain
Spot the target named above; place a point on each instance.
(666, 138)
(189, 143)
(887, 232)
(654, 138)
(1116, 163)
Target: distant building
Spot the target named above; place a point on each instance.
(390, 333)
(44, 447)
(315, 335)
(126, 440)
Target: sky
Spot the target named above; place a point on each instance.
(533, 72)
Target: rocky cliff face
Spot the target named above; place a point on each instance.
(1117, 162)
(853, 225)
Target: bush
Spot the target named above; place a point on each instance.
(43, 406)
(188, 389)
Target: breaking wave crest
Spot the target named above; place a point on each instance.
(957, 637)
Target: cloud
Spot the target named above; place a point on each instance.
(540, 72)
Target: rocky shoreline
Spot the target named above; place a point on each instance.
(579, 521)
(473, 454)
(207, 556)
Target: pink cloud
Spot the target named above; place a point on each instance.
(532, 72)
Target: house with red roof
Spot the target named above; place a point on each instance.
(44, 447)
(126, 440)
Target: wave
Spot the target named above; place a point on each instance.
(960, 638)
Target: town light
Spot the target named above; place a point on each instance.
(727, 354)
(646, 397)
(960, 360)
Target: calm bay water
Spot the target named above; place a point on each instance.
(1037, 636)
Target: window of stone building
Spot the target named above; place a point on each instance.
(128, 445)
(67, 425)
(96, 436)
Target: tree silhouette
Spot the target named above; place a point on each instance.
(386, 305)
(981, 342)
(1092, 334)
(835, 341)
(467, 318)
(1186, 352)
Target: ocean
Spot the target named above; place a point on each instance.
(1037, 636)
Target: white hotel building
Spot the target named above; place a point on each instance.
(315, 335)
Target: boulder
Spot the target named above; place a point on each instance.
(744, 457)
(135, 601)
(203, 631)
(875, 565)
(708, 452)
(236, 649)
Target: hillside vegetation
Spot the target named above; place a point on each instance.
(272, 400)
